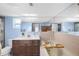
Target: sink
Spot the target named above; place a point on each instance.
(27, 38)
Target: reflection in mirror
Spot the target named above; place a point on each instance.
(16, 23)
(35, 27)
(65, 27)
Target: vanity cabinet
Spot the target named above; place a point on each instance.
(26, 47)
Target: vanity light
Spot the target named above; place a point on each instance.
(31, 18)
(29, 15)
(77, 16)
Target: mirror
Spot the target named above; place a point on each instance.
(17, 23)
(67, 27)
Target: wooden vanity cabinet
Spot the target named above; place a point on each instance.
(26, 47)
(35, 48)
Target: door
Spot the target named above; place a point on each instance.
(59, 27)
(76, 26)
(2, 31)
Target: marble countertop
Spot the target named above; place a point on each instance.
(27, 38)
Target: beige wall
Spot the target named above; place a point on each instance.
(70, 42)
(46, 36)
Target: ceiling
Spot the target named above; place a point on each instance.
(42, 9)
(45, 11)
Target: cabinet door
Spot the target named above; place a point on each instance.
(36, 51)
(19, 51)
(36, 43)
(36, 47)
(26, 47)
(28, 50)
(18, 48)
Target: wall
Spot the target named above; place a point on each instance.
(67, 26)
(70, 42)
(45, 36)
(10, 33)
(66, 19)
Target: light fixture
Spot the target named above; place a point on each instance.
(29, 15)
(77, 15)
(30, 4)
(31, 18)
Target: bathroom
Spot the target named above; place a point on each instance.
(47, 33)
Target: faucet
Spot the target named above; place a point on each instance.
(23, 32)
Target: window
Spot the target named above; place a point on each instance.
(76, 26)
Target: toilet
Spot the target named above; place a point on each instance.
(6, 51)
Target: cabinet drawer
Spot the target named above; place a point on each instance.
(15, 42)
(18, 50)
(22, 42)
(28, 51)
(36, 42)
